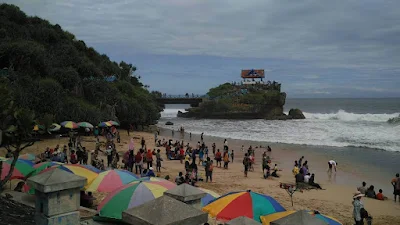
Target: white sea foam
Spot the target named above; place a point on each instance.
(347, 116)
(338, 129)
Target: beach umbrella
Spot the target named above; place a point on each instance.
(110, 180)
(266, 220)
(131, 195)
(92, 168)
(21, 169)
(44, 165)
(158, 179)
(38, 168)
(85, 125)
(77, 170)
(251, 205)
(69, 124)
(54, 127)
(29, 162)
(209, 197)
(105, 124)
(27, 156)
(114, 123)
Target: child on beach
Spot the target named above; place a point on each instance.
(232, 155)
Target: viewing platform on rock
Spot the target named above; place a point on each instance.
(192, 100)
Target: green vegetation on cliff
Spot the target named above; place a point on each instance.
(237, 101)
(50, 72)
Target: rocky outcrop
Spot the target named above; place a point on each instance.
(296, 114)
(394, 120)
(261, 101)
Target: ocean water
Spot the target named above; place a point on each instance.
(359, 123)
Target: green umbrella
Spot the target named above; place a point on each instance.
(54, 127)
(85, 125)
(21, 169)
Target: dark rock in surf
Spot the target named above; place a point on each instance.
(296, 114)
(169, 123)
(394, 120)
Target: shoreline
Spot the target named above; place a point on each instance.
(352, 169)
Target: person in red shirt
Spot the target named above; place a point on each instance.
(181, 155)
(138, 162)
(149, 159)
(380, 195)
(73, 158)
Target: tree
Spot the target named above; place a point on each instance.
(16, 129)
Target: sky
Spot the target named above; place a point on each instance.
(315, 48)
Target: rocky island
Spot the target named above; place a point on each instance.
(244, 100)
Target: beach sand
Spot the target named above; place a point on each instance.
(335, 201)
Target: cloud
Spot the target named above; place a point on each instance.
(341, 41)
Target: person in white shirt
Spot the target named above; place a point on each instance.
(225, 145)
(307, 178)
(332, 164)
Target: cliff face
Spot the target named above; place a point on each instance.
(230, 101)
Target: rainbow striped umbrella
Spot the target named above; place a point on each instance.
(27, 156)
(209, 197)
(44, 165)
(21, 169)
(77, 170)
(114, 123)
(266, 220)
(92, 168)
(110, 180)
(131, 195)
(244, 203)
(69, 124)
(105, 124)
(85, 125)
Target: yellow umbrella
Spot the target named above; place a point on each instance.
(266, 220)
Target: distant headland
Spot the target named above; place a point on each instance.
(250, 99)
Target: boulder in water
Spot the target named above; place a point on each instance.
(296, 114)
(169, 123)
(394, 120)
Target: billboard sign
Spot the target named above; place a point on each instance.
(253, 73)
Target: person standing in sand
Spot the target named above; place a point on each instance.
(396, 187)
(246, 162)
(357, 206)
(225, 144)
(213, 148)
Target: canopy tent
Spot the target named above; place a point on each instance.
(164, 211)
(242, 221)
(299, 218)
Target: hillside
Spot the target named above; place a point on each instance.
(50, 72)
(240, 101)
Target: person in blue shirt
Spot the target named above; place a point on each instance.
(150, 173)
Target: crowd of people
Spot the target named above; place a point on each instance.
(301, 172)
